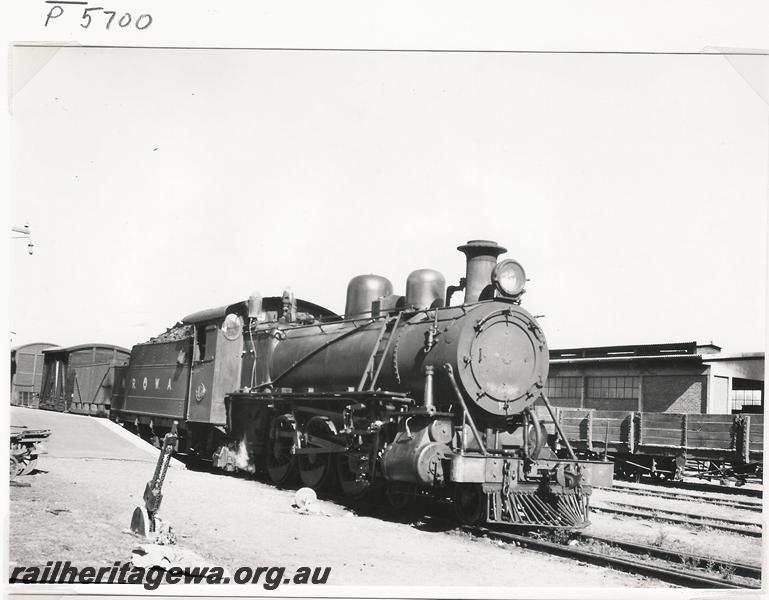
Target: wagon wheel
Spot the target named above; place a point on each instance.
(353, 483)
(630, 472)
(28, 466)
(280, 461)
(680, 468)
(469, 503)
(315, 469)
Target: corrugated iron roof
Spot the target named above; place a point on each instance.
(668, 349)
(566, 361)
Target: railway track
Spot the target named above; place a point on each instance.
(732, 525)
(741, 504)
(695, 486)
(675, 576)
(680, 570)
(674, 556)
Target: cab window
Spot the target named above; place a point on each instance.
(206, 342)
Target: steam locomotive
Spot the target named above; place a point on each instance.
(407, 393)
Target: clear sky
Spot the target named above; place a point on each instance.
(632, 188)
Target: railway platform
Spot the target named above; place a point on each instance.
(79, 436)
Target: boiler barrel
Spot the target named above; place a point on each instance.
(496, 350)
(331, 356)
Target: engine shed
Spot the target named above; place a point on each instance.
(668, 378)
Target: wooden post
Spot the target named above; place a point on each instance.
(685, 431)
(746, 438)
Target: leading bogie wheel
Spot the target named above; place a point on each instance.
(470, 503)
(400, 496)
(352, 481)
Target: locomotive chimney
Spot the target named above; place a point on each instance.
(481, 260)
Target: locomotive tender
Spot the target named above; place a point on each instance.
(425, 397)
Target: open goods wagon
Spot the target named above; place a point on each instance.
(664, 445)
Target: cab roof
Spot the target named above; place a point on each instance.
(272, 303)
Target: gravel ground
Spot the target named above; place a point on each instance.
(707, 489)
(701, 541)
(693, 539)
(78, 509)
(692, 507)
(79, 505)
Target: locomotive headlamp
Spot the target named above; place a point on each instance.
(232, 326)
(509, 278)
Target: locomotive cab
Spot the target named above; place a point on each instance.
(215, 363)
(184, 374)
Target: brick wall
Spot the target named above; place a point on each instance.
(565, 402)
(611, 403)
(674, 393)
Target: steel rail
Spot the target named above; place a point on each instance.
(740, 569)
(652, 513)
(686, 514)
(690, 489)
(696, 486)
(673, 576)
(753, 506)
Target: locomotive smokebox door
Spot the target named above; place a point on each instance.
(503, 360)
